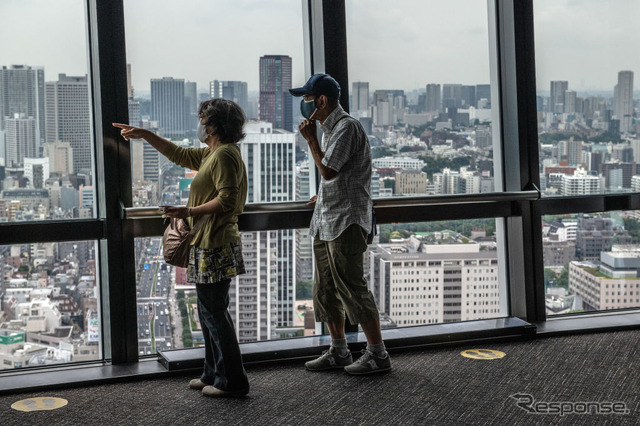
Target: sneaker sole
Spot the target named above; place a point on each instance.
(365, 373)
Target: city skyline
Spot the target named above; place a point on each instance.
(462, 58)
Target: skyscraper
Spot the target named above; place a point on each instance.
(236, 91)
(22, 139)
(22, 92)
(276, 103)
(360, 96)
(68, 117)
(168, 105)
(556, 96)
(451, 95)
(483, 91)
(468, 94)
(269, 154)
(60, 155)
(623, 100)
(304, 241)
(433, 101)
(570, 101)
(191, 105)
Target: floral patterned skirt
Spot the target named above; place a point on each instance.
(209, 266)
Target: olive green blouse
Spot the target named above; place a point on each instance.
(222, 175)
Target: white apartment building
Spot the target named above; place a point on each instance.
(269, 156)
(434, 279)
(612, 284)
(254, 301)
(398, 163)
(581, 183)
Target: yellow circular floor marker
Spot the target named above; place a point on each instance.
(39, 404)
(483, 354)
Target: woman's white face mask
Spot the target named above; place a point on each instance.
(202, 132)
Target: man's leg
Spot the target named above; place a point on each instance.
(371, 329)
(328, 309)
(345, 259)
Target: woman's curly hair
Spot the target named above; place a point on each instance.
(225, 117)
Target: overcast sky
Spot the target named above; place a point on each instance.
(402, 44)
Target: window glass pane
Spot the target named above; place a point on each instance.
(586, 109)
(591, 261)
(225, 50)
(50, 311)
(268, 302)
(46, 142)
(436, 272)
(419, 273)
(420, 84)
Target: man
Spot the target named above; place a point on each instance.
(340, 226)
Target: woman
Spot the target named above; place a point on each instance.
(217, 196)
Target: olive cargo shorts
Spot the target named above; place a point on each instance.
(338, 281)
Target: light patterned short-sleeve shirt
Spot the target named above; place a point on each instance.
(345, 199)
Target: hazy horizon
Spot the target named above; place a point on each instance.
(405, 46)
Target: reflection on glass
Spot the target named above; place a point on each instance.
(591, 262)
(586, 111)
(46, 145)
(50, 310)
(427, 111)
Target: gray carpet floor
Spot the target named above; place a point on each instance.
(429, 387)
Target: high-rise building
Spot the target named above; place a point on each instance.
(556, 97)
(452, 95)
(168, 105)
(21, 139)
(574, 151)
(433, 98)
(570, 98)
(191, 105)
(411, 181)
(253, 305)
(483, 91)
(447, 182)
(304, 241)
(623, 100)
(468, 94)
(360, 97)
(134, 113)
(388, 107)
(60, 155)
(22, 92)
(596, 234)
(36, 170)
(276, 103)
(269, 155)
(236, 91)
(68, 117)
(129, 86)
(580, 183)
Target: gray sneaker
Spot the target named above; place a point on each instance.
(329, 360)
(369, 363)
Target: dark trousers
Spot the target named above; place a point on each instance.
(223, 366)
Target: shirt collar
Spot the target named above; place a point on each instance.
(331, 120)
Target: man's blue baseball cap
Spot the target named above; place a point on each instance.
(319, 84)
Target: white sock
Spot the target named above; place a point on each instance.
(378, 349)
(340, 346)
